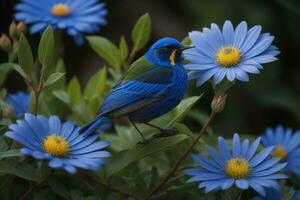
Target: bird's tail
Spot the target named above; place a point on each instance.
(93, 125)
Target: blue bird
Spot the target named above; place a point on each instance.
(154, 85)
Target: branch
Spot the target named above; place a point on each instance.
(110, 187)
(163, 182)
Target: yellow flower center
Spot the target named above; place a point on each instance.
(228, 56)
(237, 168)
(60, 10)
(279, 152)
(56, 145)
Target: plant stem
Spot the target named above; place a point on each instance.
(124, 194)
(31, 189)
(37, 91)
(130, 58)
(163, 182)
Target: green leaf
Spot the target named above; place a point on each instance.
(74, 90)
(96, 84)
(25, 173)
(62, 95)
(5, 68)
(123, 48)
(125, 158)
(18, 69)
(107, 50)
(53, 78)
(183, 108)
(184, 130)
(25, 55)
(46, 47)
(10, 153)
(93, 106)
(76, 195)
(141, 32)
(59, 188)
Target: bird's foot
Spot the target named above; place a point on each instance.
(166, 133)
(145, 141)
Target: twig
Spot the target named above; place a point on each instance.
(162, 183)
(110, 187)
(97, 196)
(130, 58)
(37, 91)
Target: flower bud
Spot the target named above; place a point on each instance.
(9, 113)
(5, 43)
(13, 31)
(21, 27)
(218, 103)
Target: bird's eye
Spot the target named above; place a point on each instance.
(168, 46)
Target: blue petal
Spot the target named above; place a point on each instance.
(256, 160)
(227, 183)
(258, 188)
(228, 33)
(242, 184)
(267, 164)
(206, 177)
(240, 34)
(269, 171)
(224, 148)
(206, 163)
(54, 125)
(56, 163)
(67, 129)
(252, 36)
(252, 149)
(193, 172)
(236, 146)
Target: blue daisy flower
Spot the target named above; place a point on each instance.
(59, 143)
(19, 102)
(238, 166)
(228, 53)
(287, 146)
(76, 17)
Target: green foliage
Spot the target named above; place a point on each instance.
(26, 172)
(5, 68)
(123, 49)
(133, 167)
(141, 32)
(74, 91)
(53, 78)
(107, 50)
(46, 47)
(25, 56)
(126, 157)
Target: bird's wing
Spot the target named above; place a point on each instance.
(137, 68)
(131, 95)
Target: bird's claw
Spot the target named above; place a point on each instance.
(166, 133)
(145, 141)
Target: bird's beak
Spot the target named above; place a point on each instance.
(184, 47)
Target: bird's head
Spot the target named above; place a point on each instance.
(166, 52)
